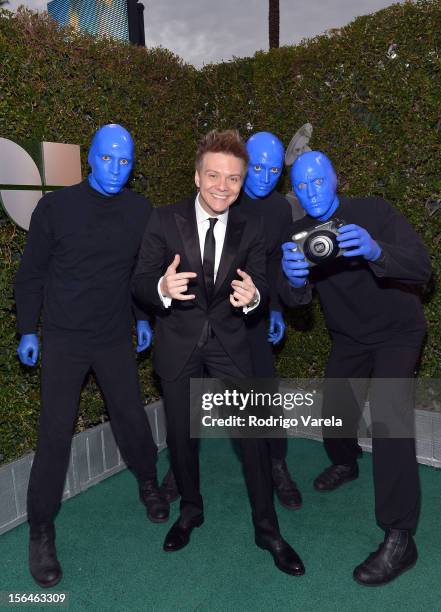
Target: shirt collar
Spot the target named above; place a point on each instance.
(202, 216)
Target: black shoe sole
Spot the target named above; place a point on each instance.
(48, 585)
(342, 482)
(290, 573)
(194, 526)
(289, 507)
(380, 584)
(172, 550)
(157, 520)
(282, 569)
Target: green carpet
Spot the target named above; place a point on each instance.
(112, 555)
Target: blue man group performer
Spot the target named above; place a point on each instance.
(77, 265)
(260, 197)
(375, 318)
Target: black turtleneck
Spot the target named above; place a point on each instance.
(370, 302)
(77, 264)
(276, 212)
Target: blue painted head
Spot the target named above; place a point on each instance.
(314, 182)
(111, 157)
(265, 166)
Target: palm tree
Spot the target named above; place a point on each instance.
(274, 24)
(2, 2)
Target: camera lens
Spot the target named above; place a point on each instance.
(321, 246)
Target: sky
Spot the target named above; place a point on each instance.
(209, 31)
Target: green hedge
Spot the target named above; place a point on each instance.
(60, 86)
(371, 91)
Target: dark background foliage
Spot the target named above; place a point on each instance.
(371, 91)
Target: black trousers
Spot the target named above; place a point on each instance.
(212, 359)
(395, 469)
(263, 366)
(64, 367)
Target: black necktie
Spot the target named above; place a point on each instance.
(209, 254)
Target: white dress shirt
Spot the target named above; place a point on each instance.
(219, 231)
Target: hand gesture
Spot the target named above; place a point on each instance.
(244, 290)
(175, 284)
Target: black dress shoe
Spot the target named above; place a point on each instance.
(285, 557)
(335, 475)
(43, 563)
(169, 487)
(394, 556)
(157, 507)
(284, 486)
(179, 534)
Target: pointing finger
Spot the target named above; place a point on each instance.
(243, 274)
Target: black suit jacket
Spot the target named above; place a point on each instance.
(172, 229)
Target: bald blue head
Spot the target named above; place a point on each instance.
(266, 154)
(314, 182)
(111, 157)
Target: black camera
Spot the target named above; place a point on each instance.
(319, 243)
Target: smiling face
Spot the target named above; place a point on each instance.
(219, 179)
(315, 184)
(265, 166)
(111, 159)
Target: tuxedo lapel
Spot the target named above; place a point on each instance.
(187, 228)
(233, 236)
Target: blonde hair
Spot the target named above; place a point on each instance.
(228, 142)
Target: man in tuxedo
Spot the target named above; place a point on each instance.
(202, 265)
(260, 198)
